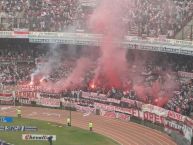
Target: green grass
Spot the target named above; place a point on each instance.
(64, 135)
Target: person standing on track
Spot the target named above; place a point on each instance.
(18, 112)
(68, 121)
(90, 125)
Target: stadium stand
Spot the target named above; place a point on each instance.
(160, 72)
(144, 17)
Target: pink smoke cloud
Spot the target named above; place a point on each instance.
(107, 19)
(76, 76)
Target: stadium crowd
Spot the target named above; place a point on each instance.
(159, 72)
(160, 17)
(41, 15)
(153, 18)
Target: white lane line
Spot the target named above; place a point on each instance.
(51, 114)
(32, 114)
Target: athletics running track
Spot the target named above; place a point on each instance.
(126, 133)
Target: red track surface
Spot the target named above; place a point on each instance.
(126, 133)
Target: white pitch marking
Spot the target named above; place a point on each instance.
(32, 114)
(6, 108)
(51, 114)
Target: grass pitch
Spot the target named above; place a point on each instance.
(64, 135)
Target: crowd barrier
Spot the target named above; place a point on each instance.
(172, 123)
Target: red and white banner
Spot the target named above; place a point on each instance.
(153, 117)
(183, 129)
(21, 33)
(37, 137)
(113, 115)
(28, 88)
(6, 97)
(26, 94)
(188, 121)
(108, 114)
(104, 107)
(130, 111)
(155, 109)
(93, 95)
(24, 101)
(49, 102)
(111, 100)
(163, 112)
(122, 116)
(84, 108)
(131, 102)
(176, 116)
(150, 116)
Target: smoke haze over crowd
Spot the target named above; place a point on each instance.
(112, 68)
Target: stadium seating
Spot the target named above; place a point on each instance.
(144, 17)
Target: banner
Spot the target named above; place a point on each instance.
(132, 102)
(112, 100)
(49, 102)
(25, 94)
(84, 108)
(104, 107)
(37, 137)
(176, 116)
(6, 97)
(92, 95)
(25, 101)
(181, 128)
(20, 33)
(122, 116)
(109, 114)
(153, 117)
(155, 109)
(28, 88)
(3, 102)
(129, 111)
(113, 115)
(18, 128)
(188, 121)
(150, 116)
